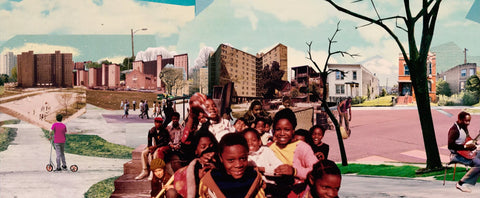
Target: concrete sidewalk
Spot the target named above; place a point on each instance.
(23, 173)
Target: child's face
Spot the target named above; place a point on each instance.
(240, 126)
(159, 172)
(299, 137)
(327, 186)
(235, 160)
(260, 127)
(283, 132)
(211, 108)
(203, 144)
(158, 124)
(317, 136)
(253, 142)
(257, 109)
(175, 120)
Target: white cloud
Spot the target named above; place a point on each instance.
(151, 53)
(202, 58)
(114, 60)
(448, 8)
(38, 48)
(308, 12)
(85, 17)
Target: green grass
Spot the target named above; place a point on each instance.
(7, 135)
(93, 145)
(385, 101)
(103, 188)
(407, 171)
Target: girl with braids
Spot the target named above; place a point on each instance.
(324, 180)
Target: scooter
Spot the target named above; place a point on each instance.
(50, 166)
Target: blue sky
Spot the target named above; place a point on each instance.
(250, 25)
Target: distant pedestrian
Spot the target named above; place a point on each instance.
(58, 130)
(126, 106)
(154, 108)
(141, 107)
(168, 111)
(146, 109)
(134, 105)
(121, 104)
(344, 109)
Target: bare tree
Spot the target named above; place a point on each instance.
(64, 100)
(171, 77)
(416, 60)
(323, 89)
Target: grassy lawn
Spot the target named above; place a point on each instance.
(385, 101)
(407, 171)
(111, 99)
(103, 188)
(7, 135)
(93, 145)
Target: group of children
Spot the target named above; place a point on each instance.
(246, 159)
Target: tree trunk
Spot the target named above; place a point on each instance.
(420, 86)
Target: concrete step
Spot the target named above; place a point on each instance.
(130, 195)
(132, 167)
(137, 152)
(128, 184)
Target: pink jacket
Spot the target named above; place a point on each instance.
(303, 160)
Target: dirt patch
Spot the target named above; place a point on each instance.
(111, 99)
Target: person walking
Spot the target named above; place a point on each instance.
(134, 105)
(58, 131)
(344, 109)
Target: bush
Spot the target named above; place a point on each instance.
(469, 98)
(359, 99)
(453, 100)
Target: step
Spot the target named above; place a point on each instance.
(132, 167)
(137, 152)
(128, 184)
(130, 195)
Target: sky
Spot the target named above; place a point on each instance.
(249, 25)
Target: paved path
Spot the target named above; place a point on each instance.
(23, 173)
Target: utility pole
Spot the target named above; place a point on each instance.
(465, 54)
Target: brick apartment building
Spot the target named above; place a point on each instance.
(405, 89)
(80, 76)
(457, 76)
(145, 74)
(45, 70)
(228, 64)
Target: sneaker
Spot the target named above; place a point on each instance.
(142, 175)
(463, 188)
(64, 167)
(58, 169)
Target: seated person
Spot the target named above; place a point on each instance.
(234, 178)
(157, 144)
(324, 180)
(463, 152)
(255, 111)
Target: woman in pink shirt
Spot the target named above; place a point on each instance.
(59, 129)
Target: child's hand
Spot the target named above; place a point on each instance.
(284, 169)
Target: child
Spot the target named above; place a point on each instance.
(255, 111)
(297, 156)
(59, 129)
(239, 125)
(324, 180)
(260, 127)
(303, 135)
(263, 158)
(234, 178)
(160, 178)
(319, 148)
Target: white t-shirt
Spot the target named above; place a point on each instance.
(221, 128)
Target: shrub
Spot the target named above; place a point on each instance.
(469, 98)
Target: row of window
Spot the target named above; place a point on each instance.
(340, 76)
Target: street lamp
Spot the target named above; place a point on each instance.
(133, 32)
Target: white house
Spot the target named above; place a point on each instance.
(356, 81)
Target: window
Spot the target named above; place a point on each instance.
(472, 71)
(406, 70)
(340, 89)
(429, 86)
(354, 75)
(463, 73)
(338, 75)
(429, 68)
(462, 85)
